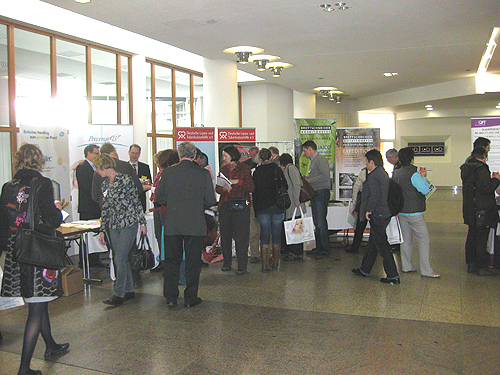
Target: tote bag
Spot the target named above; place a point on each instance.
(393, 230)
(299, 230)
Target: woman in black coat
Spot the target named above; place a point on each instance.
(265, 177)
(37, 285)
(478, 195)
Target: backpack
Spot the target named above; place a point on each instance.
(395, 197)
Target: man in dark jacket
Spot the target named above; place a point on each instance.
(478, 195)
(375, 209)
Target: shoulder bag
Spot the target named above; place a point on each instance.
(306, 191)
(35, 248)
(282, 198)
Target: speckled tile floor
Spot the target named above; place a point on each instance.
(310, 317)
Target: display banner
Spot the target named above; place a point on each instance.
(203, 138)
(322, 132)
(488, 127)
(241, 138)
(53, 141)
(351, 145)
(120, 136)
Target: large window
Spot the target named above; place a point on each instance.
(175, 99)
(4, 75)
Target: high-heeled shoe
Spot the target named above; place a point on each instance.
(61, 348)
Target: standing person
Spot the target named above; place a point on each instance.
(292, 177)
(415, 187)
(375, 209)
(265, 178)
(142, 170)
(38, 286)
(87, 207)
(393, 158)
(186, 190)
(319, 178)
(357, 193)
(121, 217)
(163, 159)
(234, 224)
(275, 153)
(253, 160)
(478, 195)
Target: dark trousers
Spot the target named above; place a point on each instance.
(475, 246)
(175, 246)
(358, 234)
(234, 225)
(319, 207)
(378, 244)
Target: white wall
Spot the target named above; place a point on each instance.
(454, 131)
(269, 109)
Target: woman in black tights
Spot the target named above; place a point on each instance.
(37, 285)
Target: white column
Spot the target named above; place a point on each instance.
(139, 70)
(304, 105)
(220, 92)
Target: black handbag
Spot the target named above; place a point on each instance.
(236, 204)
(35, 248)
(282, 198)
(487, 218)
(141, 256)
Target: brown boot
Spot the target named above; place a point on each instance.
(276, 256)
(265, 253)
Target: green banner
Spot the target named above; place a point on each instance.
(322, 132)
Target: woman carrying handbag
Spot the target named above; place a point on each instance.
(37, 285)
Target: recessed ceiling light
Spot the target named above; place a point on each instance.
(428, 106)
(498, 106)
(83, 1)
(390, 74)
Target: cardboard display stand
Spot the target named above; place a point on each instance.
(72, 280)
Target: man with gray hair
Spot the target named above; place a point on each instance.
(275, 153)
(187, 191)
(393, 158)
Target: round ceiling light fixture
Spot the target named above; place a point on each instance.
(262, 60)
(243, 52)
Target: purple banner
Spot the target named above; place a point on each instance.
(485, 122)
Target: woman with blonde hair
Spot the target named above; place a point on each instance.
(37, 285)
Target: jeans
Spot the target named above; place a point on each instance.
(121, 243)
(378, 244)
(319, 206)
(270, 225)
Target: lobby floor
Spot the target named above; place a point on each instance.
(309, 317)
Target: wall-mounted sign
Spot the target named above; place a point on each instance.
(428, 148)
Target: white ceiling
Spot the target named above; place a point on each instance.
(426, 42)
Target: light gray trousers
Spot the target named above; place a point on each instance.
(415, 225)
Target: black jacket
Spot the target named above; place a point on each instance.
(478, 188)
(264, 195)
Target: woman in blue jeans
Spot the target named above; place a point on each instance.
(270, 216)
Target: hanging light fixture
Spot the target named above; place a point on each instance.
(243, 52)
(277, 67)
(262, 60)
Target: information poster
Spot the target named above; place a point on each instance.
(351, 145)
(241, 138)
(203, 138)
(488, 127)
(53, 141)
(322, 132)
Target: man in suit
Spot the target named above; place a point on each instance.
(186, 190)
(142, 170)
(87, 207)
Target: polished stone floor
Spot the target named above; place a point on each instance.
(309, 317)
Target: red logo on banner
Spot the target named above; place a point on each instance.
(237, 135)
(195, 134)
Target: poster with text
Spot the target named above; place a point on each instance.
(203, 138)
(322, 132)
(351, 145)
(488, 127)
(120, 136)
(241, 138)
(53, 142)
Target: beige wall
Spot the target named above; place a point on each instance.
(454, 131)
